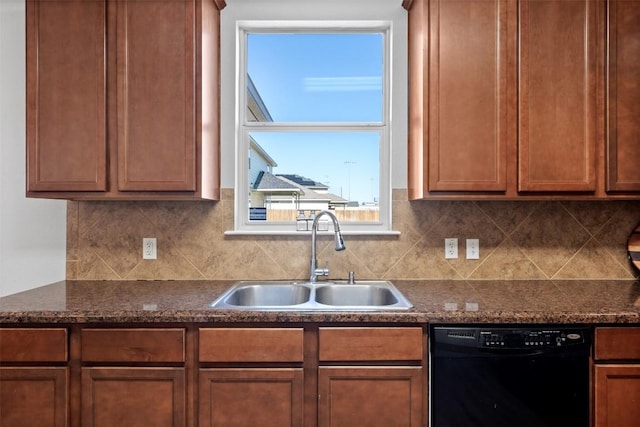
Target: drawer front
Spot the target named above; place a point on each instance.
(364, 344)
(133, 345)
(33, 345)
(251, 345)
(617, 343)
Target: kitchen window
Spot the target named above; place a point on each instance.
(313, 115)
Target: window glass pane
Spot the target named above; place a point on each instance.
(301, 77)
(313, 171)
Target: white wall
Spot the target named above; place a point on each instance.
(32, 232)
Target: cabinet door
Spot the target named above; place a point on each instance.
(133, 345)
(617, 343)
(247, 345)
(66, 96)
(117, 396)
(557, 112)
(623, 74)
(468, 95)
(617, 395)
(353, 344)
(370, 396)
(247, 397)
(156, 95)
(34, 397)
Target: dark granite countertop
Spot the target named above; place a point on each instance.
(435, 301)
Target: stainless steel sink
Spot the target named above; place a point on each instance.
(355, 295)
(307, 296)
(269, 295)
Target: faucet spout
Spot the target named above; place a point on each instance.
(338, 241)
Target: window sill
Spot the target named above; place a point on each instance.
(308, 233)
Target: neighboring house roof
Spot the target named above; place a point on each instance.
(268, 182)
(309, 193)
(257, 111)
(306, 182)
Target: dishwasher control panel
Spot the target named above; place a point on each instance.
(512, 338)
(538, 338)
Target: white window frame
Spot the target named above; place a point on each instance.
(242, 225)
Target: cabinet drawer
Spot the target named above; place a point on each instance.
(133, 345)
(617, 343)
(251, 345)
(33, 345)
(361, 344)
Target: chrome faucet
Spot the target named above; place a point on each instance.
(339, 245)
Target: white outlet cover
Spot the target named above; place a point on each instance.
(149, 248)
(450, 248)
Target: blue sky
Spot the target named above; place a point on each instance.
(322, 78)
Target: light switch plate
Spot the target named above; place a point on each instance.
(473, 248)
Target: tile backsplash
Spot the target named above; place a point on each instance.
(518, 240)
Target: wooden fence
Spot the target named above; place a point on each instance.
(343, 215)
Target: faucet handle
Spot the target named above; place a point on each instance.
(352, 278)
(323, 271)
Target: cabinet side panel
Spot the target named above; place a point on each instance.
(418, 94)
(557, 124)
(468, 96)
(623, 143)
(156, 95)
(208, 95)
(66, 96)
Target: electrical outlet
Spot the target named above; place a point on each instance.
(149, 248)
(450, 248)
(473, 249)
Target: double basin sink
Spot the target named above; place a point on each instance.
(307, 296)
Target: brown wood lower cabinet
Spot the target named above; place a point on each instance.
(311, 375)
(147, 388)
(616, 379)
(117, 396)
(371, 376)
(248, 397)
(370, 396)
(617, 395)
(251, 377)
(34, 395)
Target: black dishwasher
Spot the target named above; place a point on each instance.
(535, 376)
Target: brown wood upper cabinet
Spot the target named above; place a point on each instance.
(118, 101)
(506, 99)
